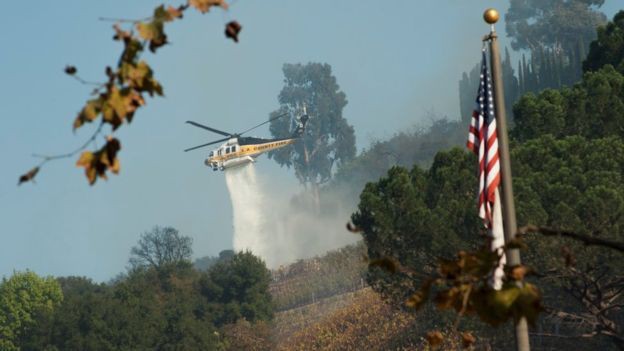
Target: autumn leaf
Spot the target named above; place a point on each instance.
(518, 272)
(131, 50)
(121, 34)
(166, 15)
(449, 269)
(111, 148)
(71, 70)
(153, 32)
(173, 13)
(88, 113)
(96, 164)
(115, 166)
(448, 298)
(132, 46)
(204, 6)
(504, 298)
(528, 304)
(434, 338)
(114, 110)
(150, 30)
(86, 161)
(468, 339)
(133, 101)
(28, 176)
(140, 77)
(516, 243)
(416, 300)
(494, 306)
(232, 29)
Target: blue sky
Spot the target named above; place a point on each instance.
(394, 60)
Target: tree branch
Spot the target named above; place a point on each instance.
(585, 239)
(47, 158)
(86, 82)
(587, 335)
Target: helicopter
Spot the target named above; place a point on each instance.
(237, 150)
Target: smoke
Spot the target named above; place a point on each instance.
(283, 225)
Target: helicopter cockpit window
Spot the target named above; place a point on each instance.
(211, 154)
(234, 148)
(227, 150)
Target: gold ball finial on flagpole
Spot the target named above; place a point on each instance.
(491, 16)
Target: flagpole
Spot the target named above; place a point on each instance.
(509, 211)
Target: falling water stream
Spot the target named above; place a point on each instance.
(246, 196)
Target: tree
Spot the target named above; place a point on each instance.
(238, 288)
(22, 297)
(329, 140)
(145, 310)
(556, 34)
(403, 149)
(160, 248)
(575, 184)
(204, 263)
(163, 311)
(77, 323)
(593, 108)
(468, 85)
(608, 49)
(557, 24)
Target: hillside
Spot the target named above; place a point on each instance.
(353, 321)
(308, 281)
(324, 303)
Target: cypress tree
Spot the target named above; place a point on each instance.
(527, 75)
(521, 88)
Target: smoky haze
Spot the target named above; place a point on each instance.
(282, 224)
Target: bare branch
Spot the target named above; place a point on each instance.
(579, 336)
(123, 20)
(86, 82)
(461, 313)
(47, 158)
(585, 239)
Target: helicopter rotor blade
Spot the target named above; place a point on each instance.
(210, 143)
(263, 123)
(209, 128)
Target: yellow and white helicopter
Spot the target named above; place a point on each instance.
(238, 150)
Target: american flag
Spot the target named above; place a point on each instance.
(482, 140)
